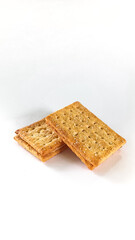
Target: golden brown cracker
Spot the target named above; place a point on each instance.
(89, 137)
(41, 137)
(35, 153)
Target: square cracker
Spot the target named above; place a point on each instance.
(39, 139)
(87, 136)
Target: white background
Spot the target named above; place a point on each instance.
(53, 53)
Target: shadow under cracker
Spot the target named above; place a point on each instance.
(108, 164)
(64, 160)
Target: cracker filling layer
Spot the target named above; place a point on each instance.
(29, 148)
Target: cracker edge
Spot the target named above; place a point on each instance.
(90, 165)
(30, 149)
(44, 152)
(30, 125)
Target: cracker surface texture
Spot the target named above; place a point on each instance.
(39, 139)
(87, 136)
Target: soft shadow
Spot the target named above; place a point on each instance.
(108, 165)
(63, 161)
(114, 168)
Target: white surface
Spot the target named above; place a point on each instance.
(51, 54)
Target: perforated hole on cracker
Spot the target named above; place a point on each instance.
(39, 139)
(87, 136)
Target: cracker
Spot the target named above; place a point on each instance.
(39, 139)
(35, 153)
(87, 136)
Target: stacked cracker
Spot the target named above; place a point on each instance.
(75, 126)
(40, 140)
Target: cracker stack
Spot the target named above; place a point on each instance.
(40, 140)
(85, 134)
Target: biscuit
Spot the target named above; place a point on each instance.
(87, 136)
(39, 139)
(35, 153)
